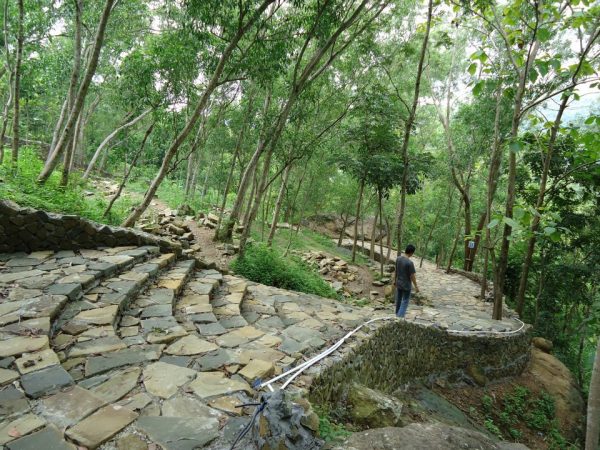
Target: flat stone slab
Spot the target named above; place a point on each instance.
(157, 311)
(239, 337)
(12, 401)
(23, 344)
(100, 345)
(98, 316)
(45, 381)
(69, 407)
(101, 426)
(257, 368)
(188, 406)
(98, 364)
(31, 362)
(50, 438)
(178, 433)
(163, 380)
(211, 384)
(8, 376)
(118, 385)
(9, 431)
(211, 329)
(219, 358)
(190, 345)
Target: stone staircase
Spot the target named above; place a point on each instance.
(121, 347)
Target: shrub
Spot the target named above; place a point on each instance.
(264, 265)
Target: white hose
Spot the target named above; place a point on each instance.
(295, 371)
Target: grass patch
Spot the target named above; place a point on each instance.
(21, 187)
(265, 265)
(329, 430)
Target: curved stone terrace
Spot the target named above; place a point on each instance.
(115, 348)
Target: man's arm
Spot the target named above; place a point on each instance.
(413, 278)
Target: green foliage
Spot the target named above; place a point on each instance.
(264, 265)
(22, 188)
(328, 429)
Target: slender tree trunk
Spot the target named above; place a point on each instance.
(109, 138)
(408, 129)
(373, 236)
(17, 87)
(67, 132)
(59, 124)
(456, 239)
(388, 230)
(278, 203)
(247, 176)
(358, 204)
(593, 408)
(435, 221)
(250, 199)
(128, 172)
(343, 230)
(380, 195)
(5, 117)
(294, 233)
(68, 159)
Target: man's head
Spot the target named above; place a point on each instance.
(410, 250)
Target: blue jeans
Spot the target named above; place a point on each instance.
(402, 297)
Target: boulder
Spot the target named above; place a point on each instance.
(544, 345)
(373, 409)
(424, 436)
(554, 377)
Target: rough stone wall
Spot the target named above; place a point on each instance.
(28, 230)
(399, 352)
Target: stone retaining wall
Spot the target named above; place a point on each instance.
(399, 352)
(28, 230)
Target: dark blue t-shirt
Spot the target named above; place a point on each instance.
(404, 269)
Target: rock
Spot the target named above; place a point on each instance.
(9, 431)
(112, 360)
(543, 344)
(187, 406)
(378, 283)
(131, 442)
(68, 407)
(280, 426)
(118, 385)
(373, 409)
(257, 368)
(554, 377)
(45, 381)
(23, 344)
(12, 401)
(8, 376)
(137, 401)
(177, 433)
(31, 362)
(190, 345)
(163, 380)
(423, 436)
(211, 384)
(101, 345)
(101, 426)
(477, 374)
(50, 438)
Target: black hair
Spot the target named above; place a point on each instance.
(410, 249)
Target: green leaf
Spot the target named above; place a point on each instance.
(516, 146)
(510, 222)
(478, 88)
(549, 230)
(543, 34)
(472, 68)
(493, 223)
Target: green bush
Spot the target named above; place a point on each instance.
(21, 187)
(264, 265)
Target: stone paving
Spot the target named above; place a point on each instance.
(119, 348)
(451, 301)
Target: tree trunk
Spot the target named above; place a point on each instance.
(246, 177)
(211, 86)
(593, 407)
(109, 138)
(373, 236)
(435, 221)
(358, 204)
(456, 239)
(67, 132)
(408, 129)
(128, 172)
(5, 117)
(380, 195)
(388, 230)
(278, 203)
(343, 230)
(17, 88)
(68, 159)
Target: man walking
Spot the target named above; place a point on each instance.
(405, 274)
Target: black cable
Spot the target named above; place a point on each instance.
(248, 426)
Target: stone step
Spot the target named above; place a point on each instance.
(150, 317)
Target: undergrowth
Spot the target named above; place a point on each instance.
(265, 265)
(77, 198)
(518, 411)
(329, 430)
